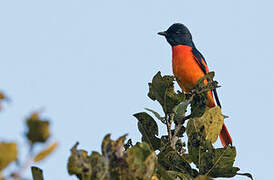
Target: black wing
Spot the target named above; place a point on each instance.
(200, 59)
(202, 62)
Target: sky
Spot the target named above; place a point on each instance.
(87, 64)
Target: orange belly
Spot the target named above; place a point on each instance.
(187, 70)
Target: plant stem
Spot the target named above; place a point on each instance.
(167, 119)
(168, 125)
(177, 129)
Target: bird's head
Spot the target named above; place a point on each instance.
(178, 34)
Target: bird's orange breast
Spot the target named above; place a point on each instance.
(187, 70)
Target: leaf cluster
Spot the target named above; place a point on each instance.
(37, 132)
(167, 156)
(137, 162)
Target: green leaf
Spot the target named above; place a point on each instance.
(200, 93)
(8, 154)
(201, 83)
(162, 173)
(187, 158)
(210, 161)
(245, 174)
(157, 115)
(149, 129)
(79, 163)
(179, 111)
(100, 166)
(202, 132)
(141, 161)
(38, 130)
(180, 176)
(179, 146)
(37, 173)
(202, 177)
(162, 90)
(112, 148)
(199, 104)
(212, 122)
(223, 161)
(171, 160)
(196, 142)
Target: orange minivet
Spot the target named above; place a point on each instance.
(189, 65)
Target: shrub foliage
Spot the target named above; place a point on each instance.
(167, 156)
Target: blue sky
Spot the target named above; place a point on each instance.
(87, 63)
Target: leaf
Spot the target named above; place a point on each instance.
(147, 122)
(199, 104)
(8, 154)
(179, 146)
(111, 149)
(187, 158)
(154, 177)
(44, 153)
(37, 173)
(223, 161)
(114, 165)
(196, 142)
(141, 161)
(79, 163)
(202, 177)
(200, 93)
(245, 174)
(100, 166)
(162, 173)
(203, 82)
(179, 111)
(157, 115)
(211, 162)
(180, 176)
(162, 90)
(38, 130)
(149, 129)
(171, 160)
(224, 157)
(212, 121)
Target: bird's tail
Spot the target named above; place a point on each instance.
(225, 137)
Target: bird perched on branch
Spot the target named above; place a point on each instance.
(189, 66)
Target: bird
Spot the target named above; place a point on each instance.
(189, 65)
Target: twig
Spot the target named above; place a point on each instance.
(167, 118)
(185, 118)
(26, 164)
(168, 125)
(177, 129)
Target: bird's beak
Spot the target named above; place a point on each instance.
(164, 33)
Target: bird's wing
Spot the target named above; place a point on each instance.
(199, 58)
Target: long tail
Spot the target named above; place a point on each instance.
(225, 137)
(224, 134)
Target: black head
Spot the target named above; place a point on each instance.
(178, 34)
